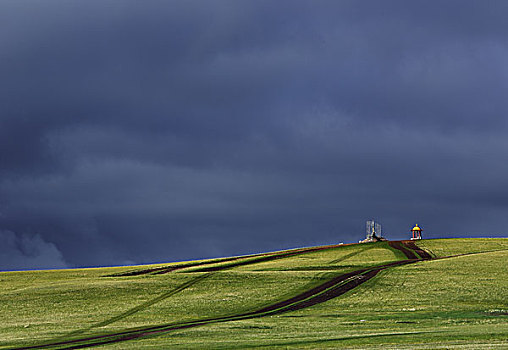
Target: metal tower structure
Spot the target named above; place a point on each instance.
(373, 230)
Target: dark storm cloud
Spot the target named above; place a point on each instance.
(155, 131)
(28, 252)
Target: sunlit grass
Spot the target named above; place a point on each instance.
(455, 302)
(453, 246)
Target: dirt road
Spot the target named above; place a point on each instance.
(328, 290)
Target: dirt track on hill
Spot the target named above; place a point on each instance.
(237, 261)
(328, 290)
(421, 252)
(402, 246)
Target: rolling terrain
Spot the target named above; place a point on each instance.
(446, 293)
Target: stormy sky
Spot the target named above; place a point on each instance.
(155, 131)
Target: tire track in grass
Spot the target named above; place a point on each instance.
(259, 259)
(326, 291)
(166, 269)
(321, 293)
(279, 255)
(139, 307)
(350, 255)
(401, 246)
(236, 261)
(251, 260)
(420, 251)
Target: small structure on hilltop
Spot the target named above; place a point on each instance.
(373, 232)
(416, 232)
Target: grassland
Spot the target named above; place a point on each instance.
(458, 299)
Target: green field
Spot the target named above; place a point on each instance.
(452, 294)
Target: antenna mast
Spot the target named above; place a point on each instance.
(373, 231)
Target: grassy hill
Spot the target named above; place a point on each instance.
(446, 293)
